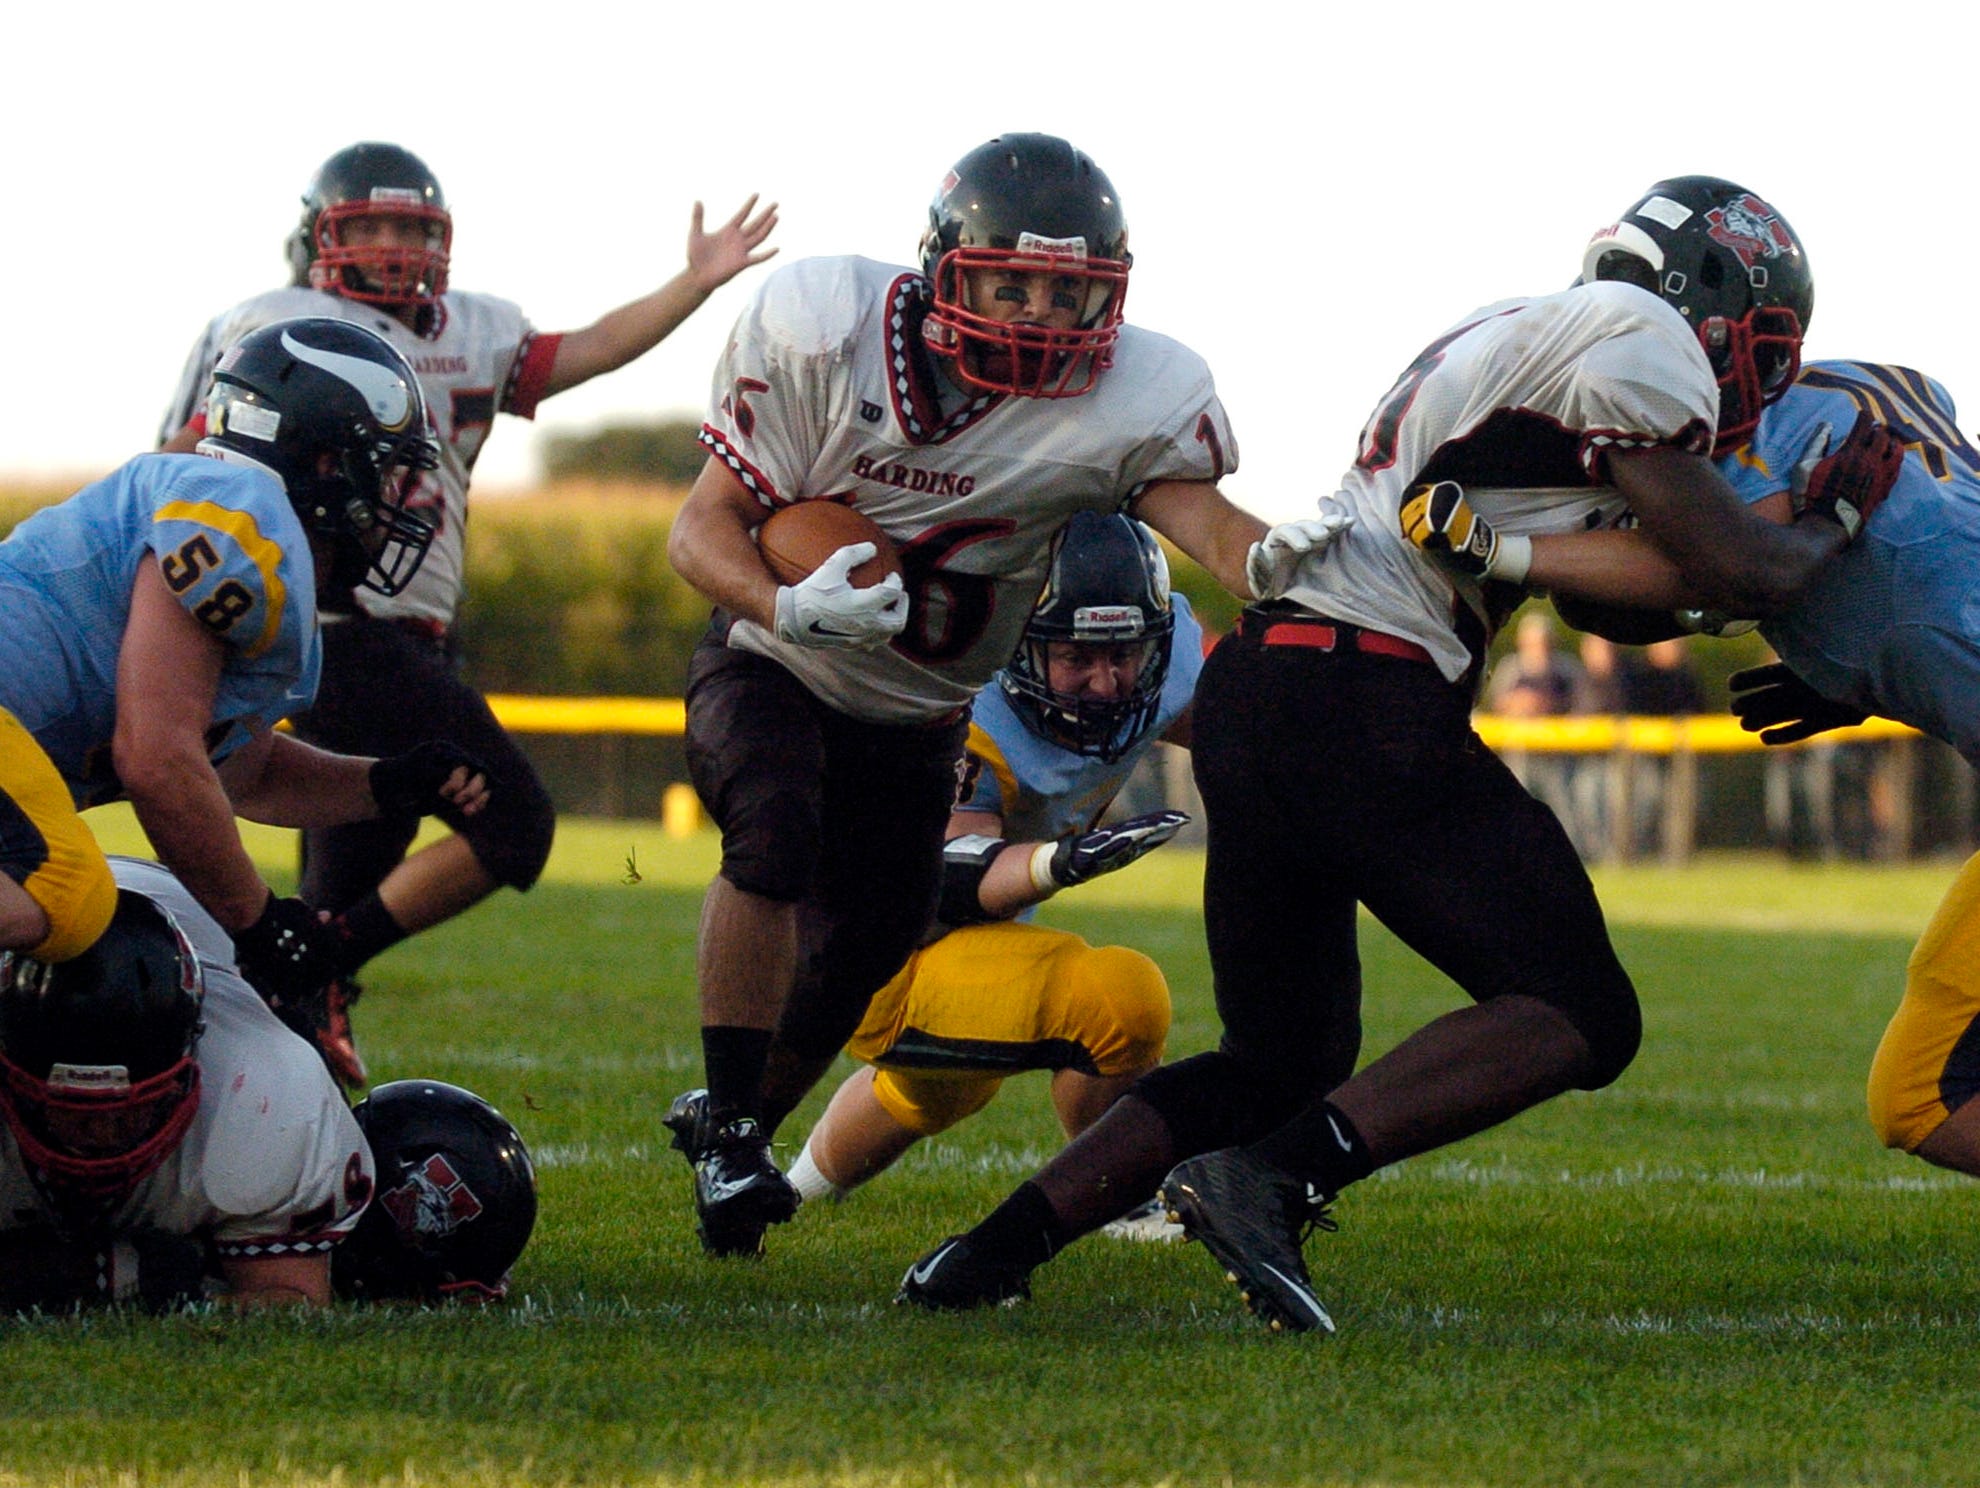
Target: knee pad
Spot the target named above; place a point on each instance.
(1611, 1020)
(511, 836)
(1124, 1008)
(1216, 1100)
(925, 1104)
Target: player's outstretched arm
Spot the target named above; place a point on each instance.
(619, 336)
(1200, 519)
(168, 674)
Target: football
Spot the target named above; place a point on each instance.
(797, 538)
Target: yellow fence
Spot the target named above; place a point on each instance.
(1720, 734)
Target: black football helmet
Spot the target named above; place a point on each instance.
(288, 394)
(1108, 586)
(455, 1203)
(97, 1078)
(363, 180)
(1734, 269)
(1031, 203)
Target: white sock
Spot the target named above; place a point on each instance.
(808, 1180)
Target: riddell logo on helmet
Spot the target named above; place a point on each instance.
(1750, 229)
(397, 196)
(432, 1203)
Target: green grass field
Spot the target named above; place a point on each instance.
(1708, 1274)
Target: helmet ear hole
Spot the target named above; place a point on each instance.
(1626, 268)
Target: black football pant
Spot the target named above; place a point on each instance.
(387, 687)
(1336, 778)
(842, 817)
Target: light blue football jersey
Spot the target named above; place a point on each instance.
(1043, 791)
(232, 551)
(1893, 625)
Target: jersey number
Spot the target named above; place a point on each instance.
(227, 603)
(947, 611)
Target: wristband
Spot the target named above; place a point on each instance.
(1041, 869)
(1514, 558)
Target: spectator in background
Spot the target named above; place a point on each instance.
(1536, 679)
(1658, 681)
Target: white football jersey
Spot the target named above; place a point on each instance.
(480, 358)
(274, 1162)
(818, 396)
(1519, 403)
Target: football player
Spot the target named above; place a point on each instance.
(1107, 667)
(372, 248)
(1333, 733)
(155, 1114)
(970, 408)
(1890, 628)
(157, 625)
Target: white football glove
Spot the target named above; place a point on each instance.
(825, 612)
(1275, 558)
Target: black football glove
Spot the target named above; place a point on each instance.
(409, 784)
(1781, 708)
(1074, 860)
(1849, 485)
(288, 953)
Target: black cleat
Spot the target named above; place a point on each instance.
(1253, 1218)
(953, 1278)
(323, 1019)
(738, 1191)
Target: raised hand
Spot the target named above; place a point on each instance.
(716, 258)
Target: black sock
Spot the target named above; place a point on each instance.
(1023, 1230)
(363, 930)
(733, 1058)
(1320, 1145)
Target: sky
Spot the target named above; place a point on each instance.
(1312, 192)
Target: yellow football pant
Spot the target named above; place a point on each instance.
(1929, 1061)
(46, 849)
(988, 1001)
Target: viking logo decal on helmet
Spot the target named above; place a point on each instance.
(390, 397)
(335, 412)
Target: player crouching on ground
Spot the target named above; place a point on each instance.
(163, 1138)
(1107, 666)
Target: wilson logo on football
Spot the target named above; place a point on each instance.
(433, 1202)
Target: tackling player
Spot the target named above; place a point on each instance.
(152, 1107)
(372, 248)
(1107, 666)
(1333, 732)
(157, 625)
(970, 409)
(1890, 628)
(163, 1139)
